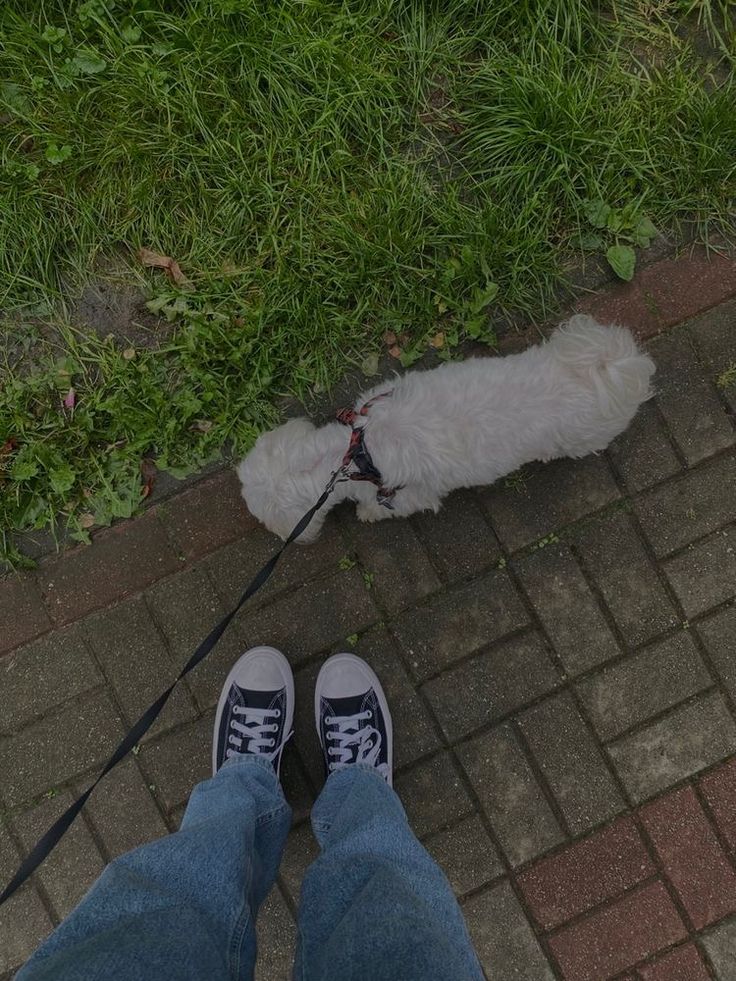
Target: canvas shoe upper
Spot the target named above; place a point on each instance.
(352, 716)
(256, 708)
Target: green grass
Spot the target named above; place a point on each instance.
(323, 172)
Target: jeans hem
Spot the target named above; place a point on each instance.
(251, 760)
(323, 826)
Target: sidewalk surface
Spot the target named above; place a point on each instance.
(559, 652)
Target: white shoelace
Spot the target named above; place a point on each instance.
(355, 743)
(254, 726)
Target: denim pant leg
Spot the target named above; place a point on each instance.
(182, 907)
(374, 904)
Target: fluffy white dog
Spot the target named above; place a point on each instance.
(459, 425)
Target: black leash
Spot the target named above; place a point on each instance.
(50, 840)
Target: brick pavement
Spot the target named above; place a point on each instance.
(558, 651)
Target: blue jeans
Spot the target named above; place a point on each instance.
(374, 905)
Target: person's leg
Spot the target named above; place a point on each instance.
(185, 906)
(374, 904)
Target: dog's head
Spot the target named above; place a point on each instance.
(282, 477)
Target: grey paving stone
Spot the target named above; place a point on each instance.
(392, 555)
(688, 399)
(313, 617)
(644, 684)
(137, 663)
(276, 939)
(414, 730)
(615, 557)
(175, 763)
(63, 744)
(502, 937)
(491, 685)
(186, 608)
(300, 851)
(568, 610)
(466, 854)
(643, 454)
(233, 567)
(122, 810)
(458, 538)
(432, 794)
(720, 943)
(551, 496)
(715, 338)
(704, 575)
(74, 865)
(685, 509)
(24, 922)
(510, 795)
(682, 743)
(459, 622)
(43, 674)
(572, 764)
(718, 633)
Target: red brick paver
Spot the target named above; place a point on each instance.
(581, 877)
(692, 857)
(680, 964)
(124, 559)
(209, 515)
(719, 791)
(636, 926)
(666, 293)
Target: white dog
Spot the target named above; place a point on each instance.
(459, 425)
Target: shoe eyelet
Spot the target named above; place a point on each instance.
(277, 713)
(370, 714)
(328, 720)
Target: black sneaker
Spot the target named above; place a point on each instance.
(353, 720)
(256, 708)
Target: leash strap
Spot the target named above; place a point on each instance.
(44, 846)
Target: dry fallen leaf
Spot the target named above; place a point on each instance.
(369, 366)
(8, 446)
(148, 473)
(395, 351)
(86, 520)
(438, 341)
(129, 353)
(165, 262)
(389, 338)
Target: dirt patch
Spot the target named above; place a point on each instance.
(119, 309)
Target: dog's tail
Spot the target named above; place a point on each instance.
(609, 358)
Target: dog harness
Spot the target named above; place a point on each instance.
(358, 455)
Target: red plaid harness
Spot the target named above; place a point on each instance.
(358, 455)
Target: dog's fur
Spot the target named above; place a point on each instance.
(460, 425)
